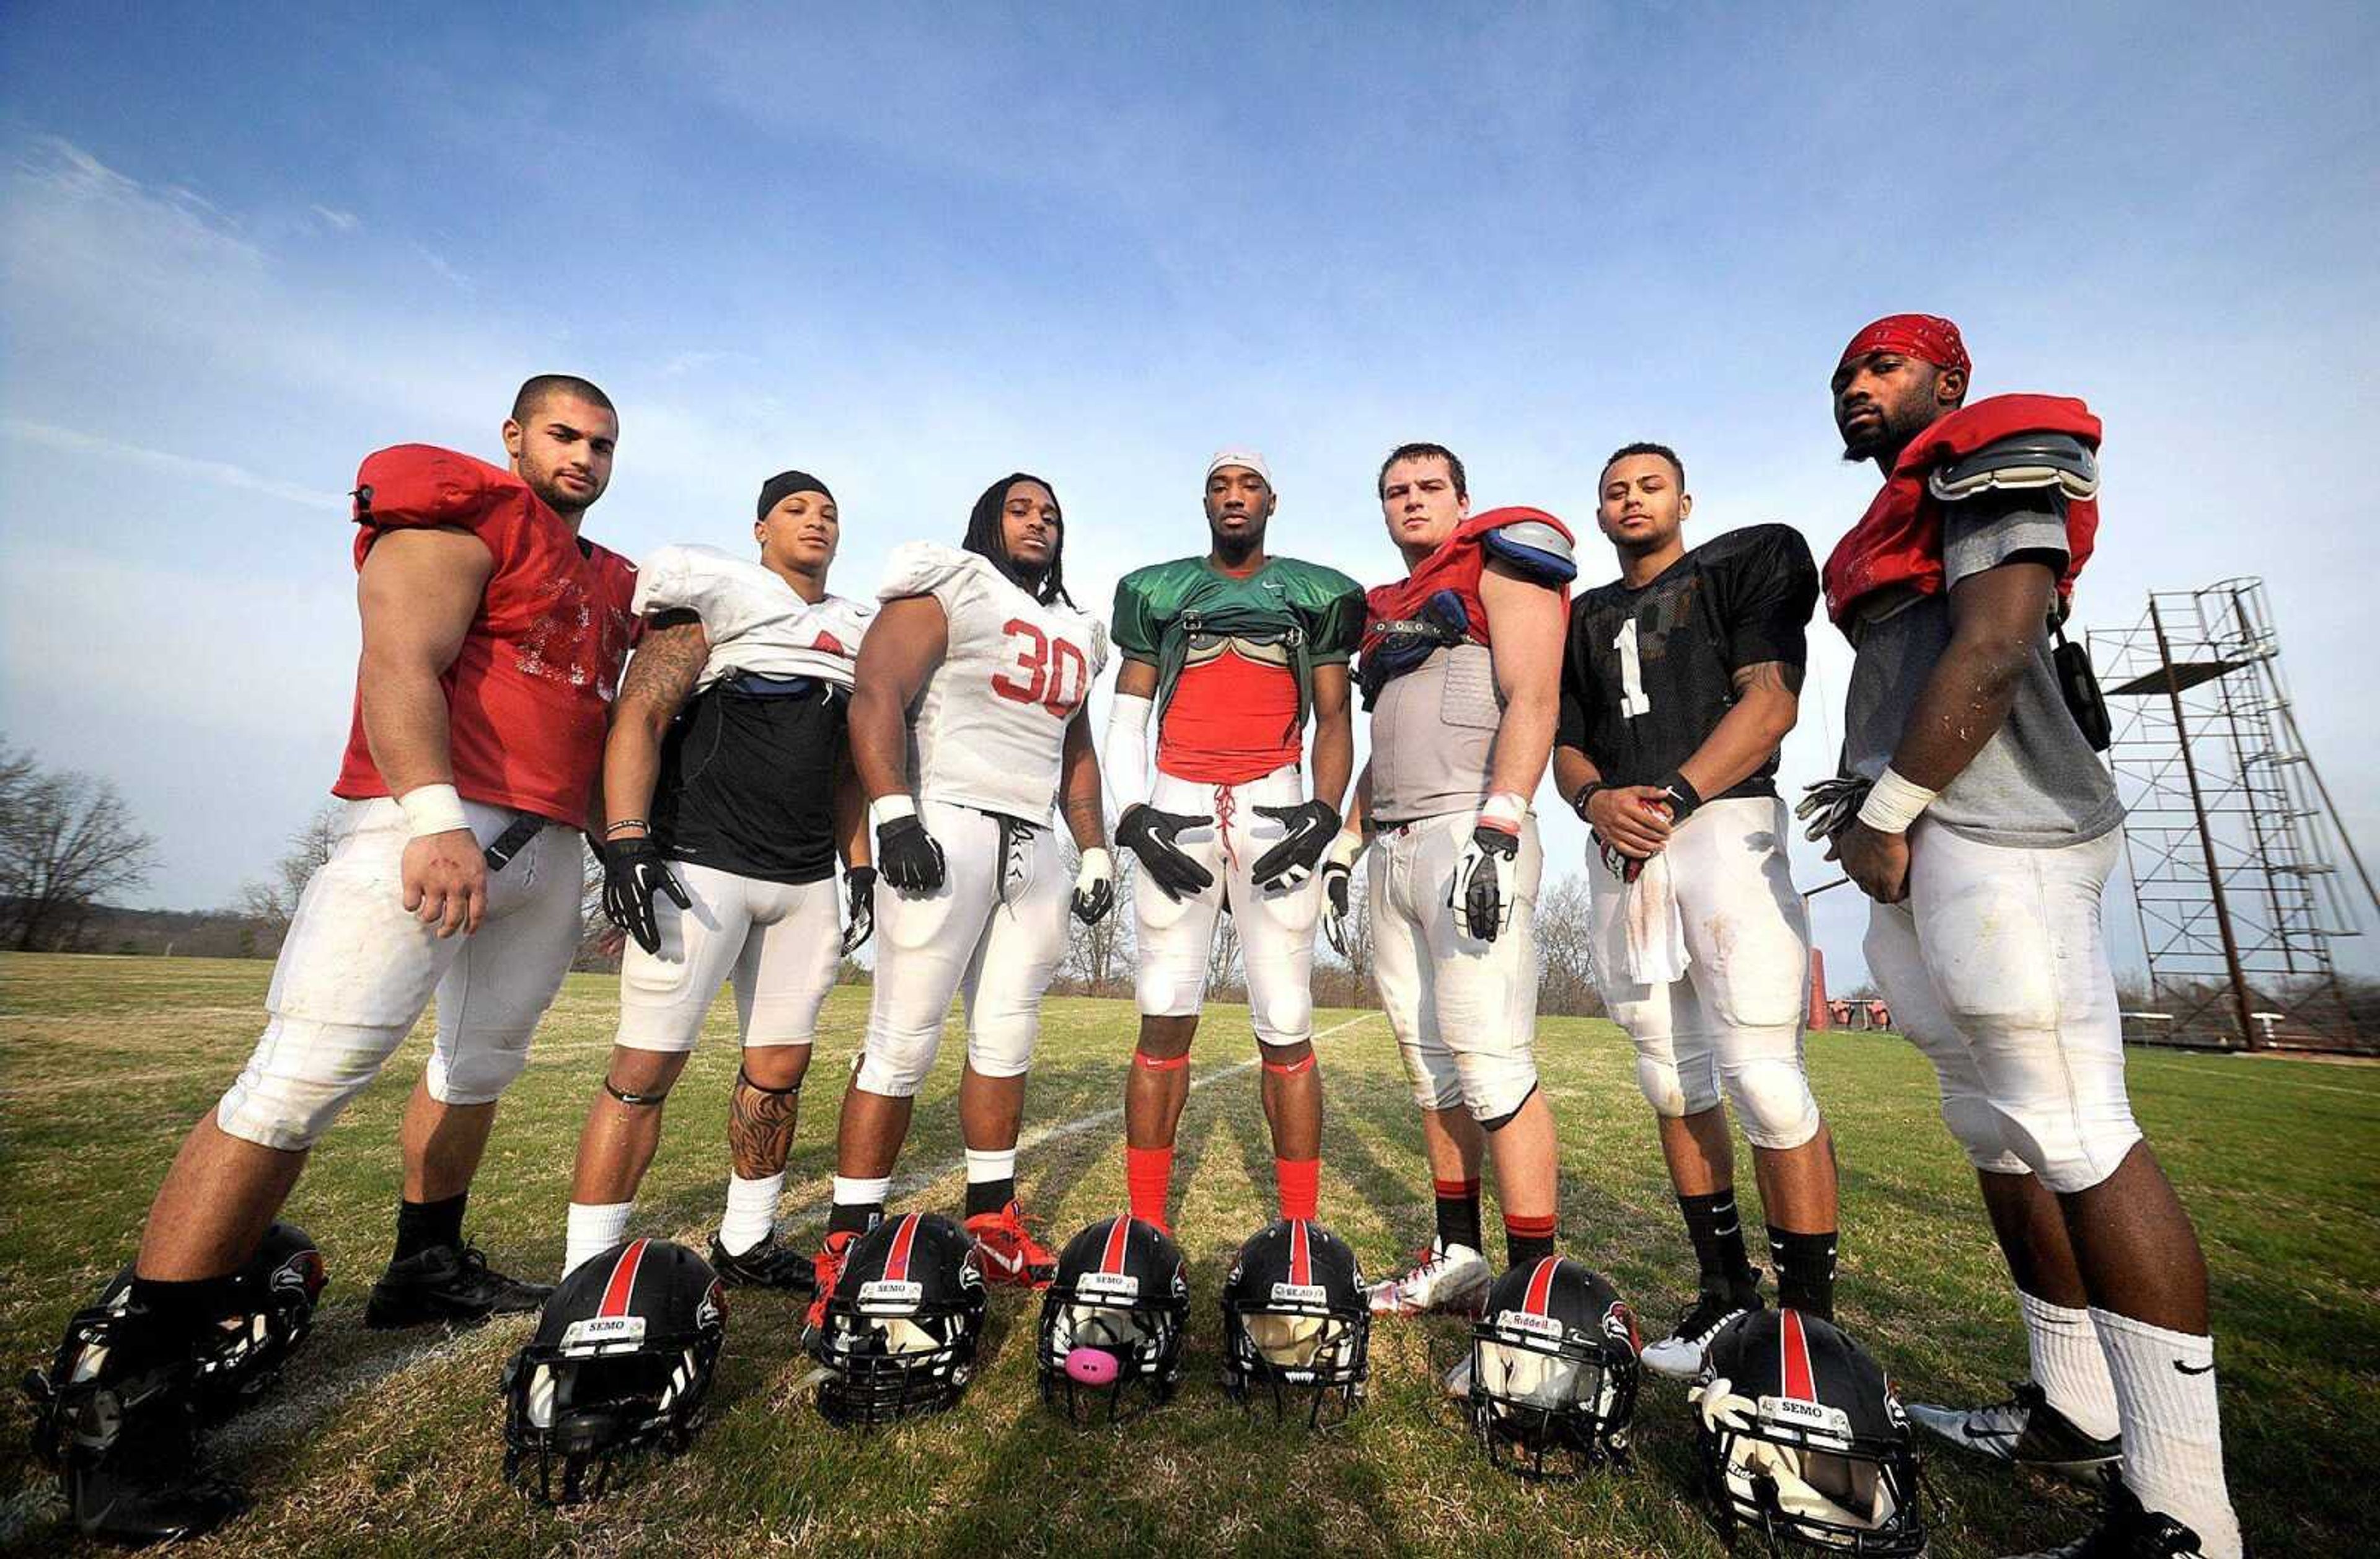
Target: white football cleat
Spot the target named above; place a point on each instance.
(1679, 1355)
(1444, 1277)
(2025, 1430)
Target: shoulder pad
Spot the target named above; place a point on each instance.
(926, 568)
(419, 484)
(1535, 549)
(679, 575)
(2017, 463)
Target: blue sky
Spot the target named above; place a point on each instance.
(911, 252)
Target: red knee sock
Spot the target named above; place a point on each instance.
(1148, 1176)
(1300, 1182)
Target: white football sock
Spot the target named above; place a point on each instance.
(2069, 1365)
(751, 1212)
(984, 1168)
(861, 1193)
(594, 1227)
(2173, 1433)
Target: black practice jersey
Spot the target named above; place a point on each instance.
(748, 778)
(1649, 674)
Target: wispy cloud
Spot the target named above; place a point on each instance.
(222, 473)
(442, 268)
(343, 221)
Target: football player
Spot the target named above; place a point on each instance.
(967, 723)
(493, 637)
(1984, 833)
(1462, 672)
(1228, 655)
(728, 781)
(1680, 679)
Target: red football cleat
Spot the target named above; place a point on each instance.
(1009, 1254)
(826, 1267)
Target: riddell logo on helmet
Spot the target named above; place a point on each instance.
(1534, 1325)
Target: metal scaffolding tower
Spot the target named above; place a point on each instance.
(2230, 835)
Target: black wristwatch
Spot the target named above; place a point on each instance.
(1584, 794)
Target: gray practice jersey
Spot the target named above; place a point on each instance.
(2036, 783)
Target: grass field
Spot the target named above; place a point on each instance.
(390, 1443)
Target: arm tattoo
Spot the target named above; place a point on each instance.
(1782, 677)
(667, 660)
(760, 1128)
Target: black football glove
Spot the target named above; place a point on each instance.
(1095, 886)
(859, 908)
(1483, 892)
(907, 857)
(1310, 826)
(1148, 834)
(633, 872)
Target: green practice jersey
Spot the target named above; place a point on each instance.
(1289, 612)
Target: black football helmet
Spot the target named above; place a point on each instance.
(1296, 1320)
(1553, 1370)
(1112, 1318)
(1802, 1440)
(900, 1332)
(622, 1359)
(235, 1363)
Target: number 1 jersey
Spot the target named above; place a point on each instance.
(989, 727)
(1647, 673)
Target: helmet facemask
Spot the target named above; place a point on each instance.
(1547, 1406)
(1145, 1340)
(1797, 1473)
(881, 1369)
(573, 1413)
(1282, 1351)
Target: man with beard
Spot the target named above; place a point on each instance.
(1975, 814)
(1228, 654)
(968, 725)
(1462, 669)
(728, 781)
(1680, 679)
(493, 637)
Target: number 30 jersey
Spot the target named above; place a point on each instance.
(1649, 674)
(988, 728)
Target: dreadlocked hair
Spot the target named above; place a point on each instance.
(986, 537)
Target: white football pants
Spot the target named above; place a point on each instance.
(780, 943)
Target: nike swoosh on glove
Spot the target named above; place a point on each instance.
(1482, 895)
(1338, 889)
(907, 857)
(1148, 834)
(633, 872)
(1310, 826)
(1095, 886)
(859, 908)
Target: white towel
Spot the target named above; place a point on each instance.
(1652, 927)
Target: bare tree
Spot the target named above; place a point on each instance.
(272, 902)
(67, 842)
(1565, 924)
(1099, 957)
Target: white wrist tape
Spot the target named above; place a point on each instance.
(433, 809)
(1506, 810)
(1893, 803)
(1098, 867)
(1124, 756)
(886, 808)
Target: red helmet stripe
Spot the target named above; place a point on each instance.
(1119, 1237)
(1541, 1286)
(1300, 1257)
(1800, 1384)
(896, 1260)
(623, 1280)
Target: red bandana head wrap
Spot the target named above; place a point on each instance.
(1926, 337)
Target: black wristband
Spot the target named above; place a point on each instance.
(1584, 794)
(1684, 800)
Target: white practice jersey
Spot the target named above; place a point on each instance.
(751, 616)
(988, 728)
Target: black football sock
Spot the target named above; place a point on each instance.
(1805, 1270)
(854, 1217)
(1527, 1239)
(178, 1314)
(989, 1196)
(1716, 1230)
(425, 1225)
(1458, 1213)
